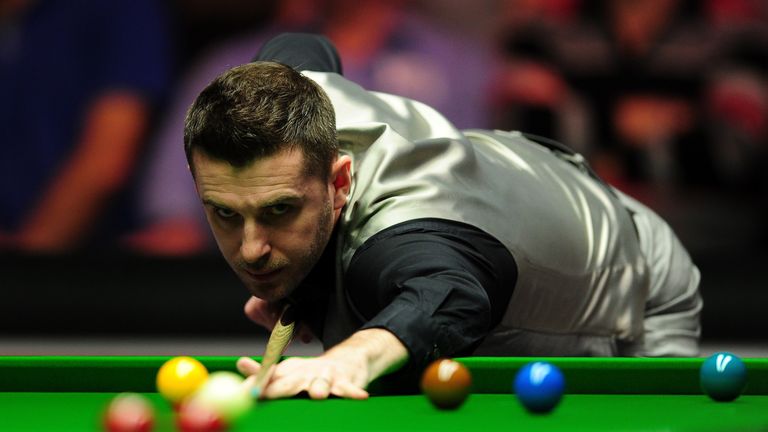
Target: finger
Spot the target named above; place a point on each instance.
(320, 387)
(248, 366)
(348, 390)
(284, 387)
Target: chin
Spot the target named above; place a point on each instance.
(269, 292)
(270, 296)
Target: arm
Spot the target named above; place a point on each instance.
(99, 166)
(441, 286)
(434, 295)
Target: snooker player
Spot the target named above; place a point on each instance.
(400, 239)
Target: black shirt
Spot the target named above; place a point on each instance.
(439, 286)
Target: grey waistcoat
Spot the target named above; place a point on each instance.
(581, 274)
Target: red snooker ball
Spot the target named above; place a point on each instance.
(446, 383)
(129, 412)
(196, 417)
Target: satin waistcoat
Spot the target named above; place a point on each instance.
(580, 268)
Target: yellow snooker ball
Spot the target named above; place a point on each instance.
(179, 377)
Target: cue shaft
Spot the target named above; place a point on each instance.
(278, 341)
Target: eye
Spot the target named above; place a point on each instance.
(279, 209)
(224, 213)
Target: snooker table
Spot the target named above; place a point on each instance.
(602, 394)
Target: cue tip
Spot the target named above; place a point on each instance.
(255, 392)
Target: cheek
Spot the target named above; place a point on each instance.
(297, 240)
(308, 230)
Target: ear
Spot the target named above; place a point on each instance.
(341, 180)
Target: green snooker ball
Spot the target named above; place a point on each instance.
(723, 376)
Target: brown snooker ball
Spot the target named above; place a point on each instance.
(446, 383)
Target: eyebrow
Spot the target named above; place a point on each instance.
(280, 199)
(210, 202)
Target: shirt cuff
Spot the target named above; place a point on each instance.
(424, 338)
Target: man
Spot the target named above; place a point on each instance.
(401, 239)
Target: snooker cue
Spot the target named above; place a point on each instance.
(278, 341)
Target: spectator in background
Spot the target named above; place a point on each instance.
(78, 81)
(386, 45)
(391, 46)
(737, 92)
(530, 92)
(737, 106)
(638, 69)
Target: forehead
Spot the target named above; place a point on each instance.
(280, 172)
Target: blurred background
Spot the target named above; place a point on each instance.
(101, 232)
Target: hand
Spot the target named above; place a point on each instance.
(262, 312)
(266, 315)
(344, 370)
(320, 377)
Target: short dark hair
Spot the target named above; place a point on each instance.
(258, 109)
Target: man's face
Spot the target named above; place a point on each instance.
(270, 220)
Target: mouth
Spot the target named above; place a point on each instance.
(263, 276)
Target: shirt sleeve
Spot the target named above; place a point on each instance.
(438, 286)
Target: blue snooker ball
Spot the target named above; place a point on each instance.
(539, 386)
(723, 376)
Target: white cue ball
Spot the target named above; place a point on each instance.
(225, 394)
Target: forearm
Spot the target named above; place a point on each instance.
(375, 350)
(100, 164)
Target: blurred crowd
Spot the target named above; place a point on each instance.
(660, 95)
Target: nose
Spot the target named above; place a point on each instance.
(255, 246)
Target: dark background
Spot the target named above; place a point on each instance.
(557, 68)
